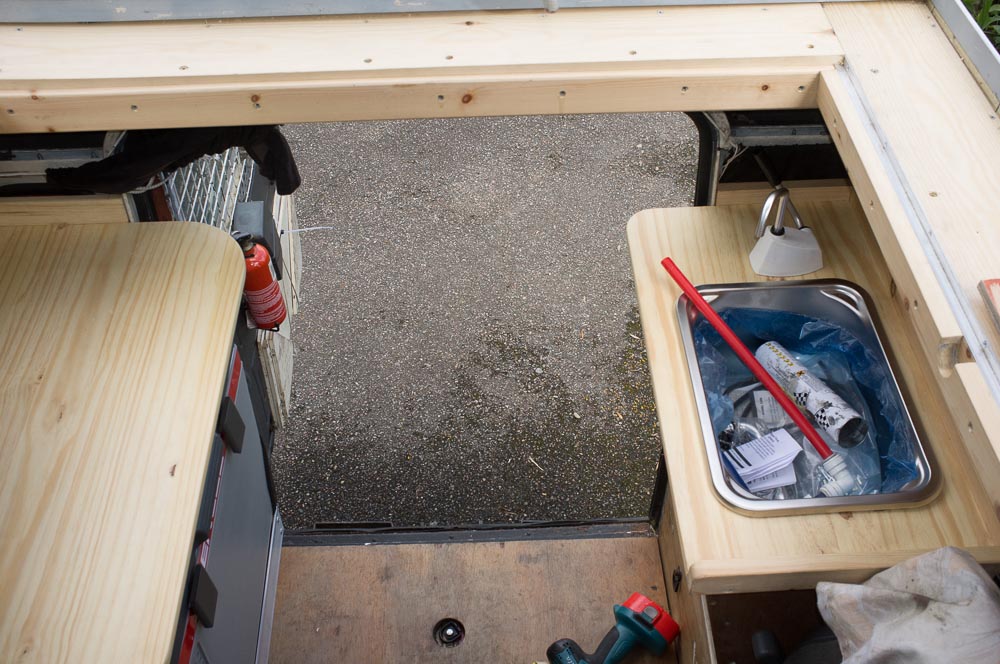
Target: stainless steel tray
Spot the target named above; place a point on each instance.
(841, 303)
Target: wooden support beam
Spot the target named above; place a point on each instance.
(405, 98)
(940, 130)
(929, 126)
(912, 273)
(805, 191)
(242, 72)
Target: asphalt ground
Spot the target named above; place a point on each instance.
(468, 348)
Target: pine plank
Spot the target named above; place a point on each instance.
(114, 350)
(78, 77)
(42, 210)
(943, 137)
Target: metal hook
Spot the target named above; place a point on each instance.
(785, 206)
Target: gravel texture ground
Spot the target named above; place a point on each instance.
(468, 348)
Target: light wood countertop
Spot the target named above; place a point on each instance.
(114, 345)
(728, 552)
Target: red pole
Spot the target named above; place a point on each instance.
(742, 352)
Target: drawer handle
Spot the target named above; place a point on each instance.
(231, 425)
(204, 596)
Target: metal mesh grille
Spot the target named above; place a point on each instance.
(208, 190)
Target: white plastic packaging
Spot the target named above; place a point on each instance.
(844, 424)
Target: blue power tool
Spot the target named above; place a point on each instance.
(638, 620)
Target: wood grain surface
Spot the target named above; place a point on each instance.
(44, 210)
(380, 603)
(942, 131)
(727, 552)
(970, 403)
(298, 46)
(696, 643)
(942, 136)
(755, 193)
(887, 216)
(320, 69)
(114, 348)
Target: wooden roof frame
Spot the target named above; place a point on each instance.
(205, 73)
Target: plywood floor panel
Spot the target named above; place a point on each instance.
(380, 603)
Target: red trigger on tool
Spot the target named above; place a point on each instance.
(655, 614)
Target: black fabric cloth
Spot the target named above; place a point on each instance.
(146, 152)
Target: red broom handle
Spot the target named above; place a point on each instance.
(706, 310)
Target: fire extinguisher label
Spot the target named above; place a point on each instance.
(266, 305)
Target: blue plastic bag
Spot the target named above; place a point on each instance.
(883, 462)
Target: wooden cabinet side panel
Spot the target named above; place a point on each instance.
(694, 646)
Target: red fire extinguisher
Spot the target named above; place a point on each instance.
(261, 290)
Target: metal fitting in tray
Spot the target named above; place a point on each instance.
(835, 301)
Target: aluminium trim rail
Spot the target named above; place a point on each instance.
(103, 11)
